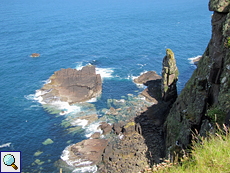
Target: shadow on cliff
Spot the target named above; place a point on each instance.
(150, 125)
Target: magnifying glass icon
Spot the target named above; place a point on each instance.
(9, 160)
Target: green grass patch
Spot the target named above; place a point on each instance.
(216, 115)
(209, 155)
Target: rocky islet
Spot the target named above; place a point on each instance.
(72, 86)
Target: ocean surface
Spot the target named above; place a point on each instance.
(122, 38)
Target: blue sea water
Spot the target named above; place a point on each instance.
(122, 38)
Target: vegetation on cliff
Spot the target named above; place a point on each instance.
(209, 155)
(206, 96)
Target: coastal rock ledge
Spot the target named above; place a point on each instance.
(72, 86)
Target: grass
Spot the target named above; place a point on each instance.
(209, 155)
(227, 42)
(216, 115)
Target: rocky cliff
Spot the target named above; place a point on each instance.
(205, 98)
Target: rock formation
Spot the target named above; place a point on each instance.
(87, 152)
(148, 76)
(208, 90)
(35, 55)
(196, 60)
(153, 82)
(72, 85)
(169, 76)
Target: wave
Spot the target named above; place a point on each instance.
(60, 106)
(92, 100)
(193, 58)
(80, 122)
(5, 145)
(86, 164)
(104, 72)
(92, 169)
(92, 128)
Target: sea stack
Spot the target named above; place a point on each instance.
(169, 77)
(72, 86)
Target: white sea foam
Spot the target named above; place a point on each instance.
(105, 72)
(73, 163)
(79, 66)
(191, 59)
(38, 95)
(47, 81)
(92, 169)
(134, 77)
(92, 128)
(66, 156)
(5, 145)
(120, 136)
(92, 100)
(80, 122)
(120, 101)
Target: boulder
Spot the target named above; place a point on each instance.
(117, 127)
(148, 76)
(169, 77)
(105, 127)
(129, 128)
(87, 152)
(72, 85)
(96, 135)
(34, 55)
(113, 111)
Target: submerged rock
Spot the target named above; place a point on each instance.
(38, 153)
(47, 141)
(89, 118)
(72, 86)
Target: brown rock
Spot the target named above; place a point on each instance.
(105, 127)
(117, 127)
(72, 85)
(129, 128)
(148, 76)
(96, 135)
(113, 111)
(88, 151)
(35, 55)
(148, 97)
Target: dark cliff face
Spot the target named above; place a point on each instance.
(208, 90)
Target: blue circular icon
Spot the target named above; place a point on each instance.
(8, 159)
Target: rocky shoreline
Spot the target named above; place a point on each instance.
(130, 145)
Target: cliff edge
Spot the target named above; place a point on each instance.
(205, 98)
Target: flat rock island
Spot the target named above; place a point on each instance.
(72, 86)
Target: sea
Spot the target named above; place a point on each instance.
(122, 38)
